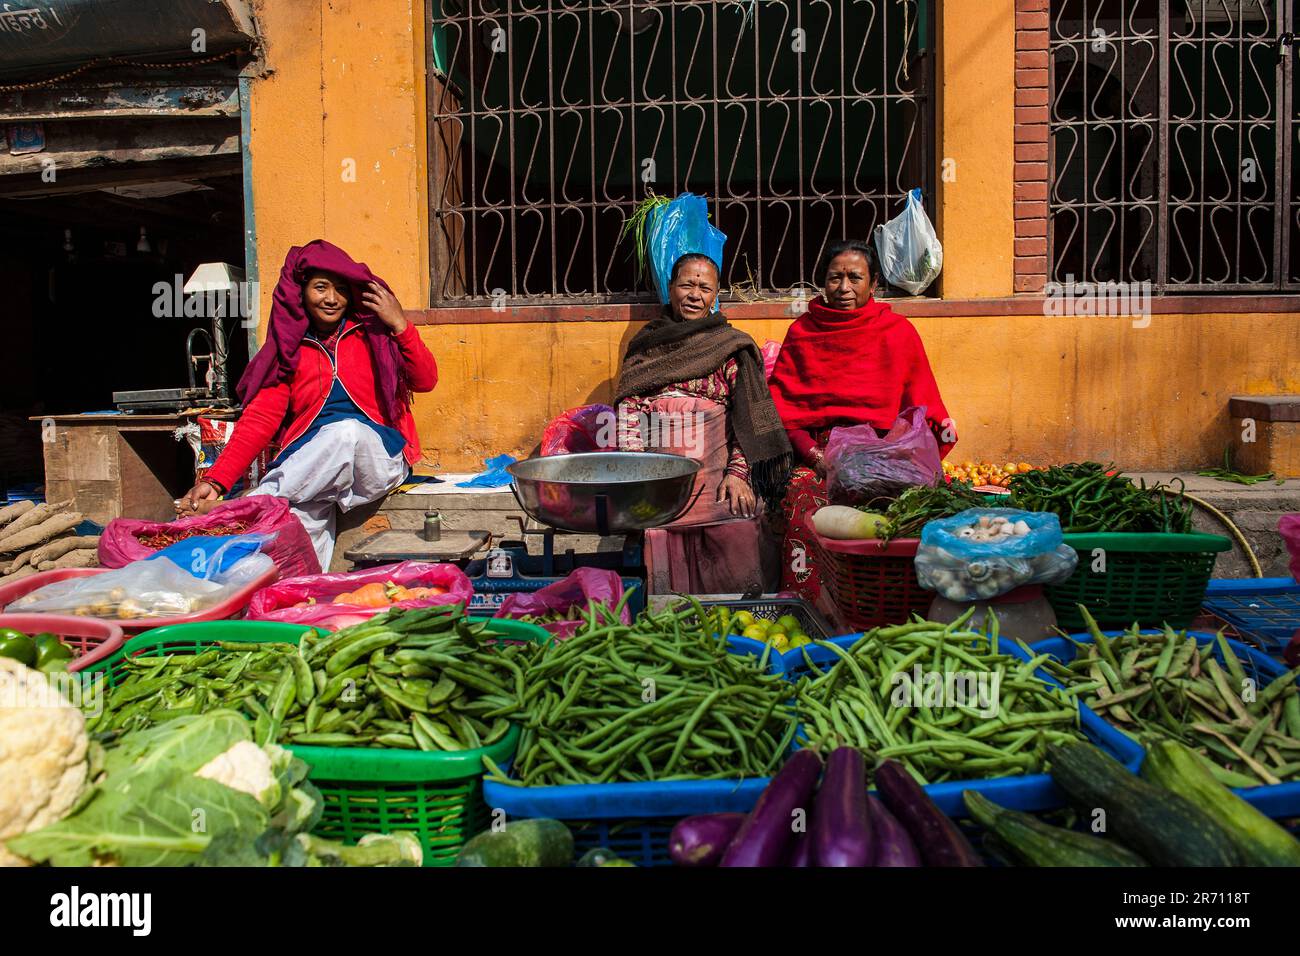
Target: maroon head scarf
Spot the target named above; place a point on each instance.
(278, 356)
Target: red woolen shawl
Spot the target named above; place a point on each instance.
(278, 356)
(854, 367)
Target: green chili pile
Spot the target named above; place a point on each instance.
(1167, 684)
(661, 699)
(1087, 498)
(940, 699)
(425, 679)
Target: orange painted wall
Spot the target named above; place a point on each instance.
(347, 83)
(1023, 387)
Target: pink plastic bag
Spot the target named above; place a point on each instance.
(585, 429)
(862, 467)
(771, 351)
(583, 585)
(292, 550)
(1289, 527)
(280, 601)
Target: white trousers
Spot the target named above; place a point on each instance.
(344, 466)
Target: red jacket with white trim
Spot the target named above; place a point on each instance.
(289, 407)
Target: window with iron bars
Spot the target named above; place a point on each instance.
(1173, 132)
(549, 121)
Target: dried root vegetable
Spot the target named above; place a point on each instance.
(15, 511)
(31, 519)
(81, 558)
(21, 561)
(61, 546)
(41, 533)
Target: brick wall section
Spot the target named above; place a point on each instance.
(1031, 146)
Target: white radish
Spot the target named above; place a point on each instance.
(847, 524)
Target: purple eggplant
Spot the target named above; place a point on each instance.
(701, 840)
(841, 829)
(801, 855)
(890, 844)
(766, 836)
(936, 837)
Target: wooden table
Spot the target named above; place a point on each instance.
(114, 466)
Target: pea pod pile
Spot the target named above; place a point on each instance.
(1088, 498)
(939, 699)
(423, 679)
(661, 699)
(1168, 685)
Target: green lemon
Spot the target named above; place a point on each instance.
(788, 623)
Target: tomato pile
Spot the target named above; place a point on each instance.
(162, 539)
(985, 473)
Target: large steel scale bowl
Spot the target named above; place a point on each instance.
(604, 492)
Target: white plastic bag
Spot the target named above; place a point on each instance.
(910, 254)
(142, 589)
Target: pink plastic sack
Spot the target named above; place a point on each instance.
(771, 351)
(283, 601)
(292, 550)
(862, 468)
(585, 429)
(1289, 527)
(583, 585)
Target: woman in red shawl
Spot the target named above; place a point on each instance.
(849, 360)
(331, 388)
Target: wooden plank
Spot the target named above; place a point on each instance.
(1265, 408)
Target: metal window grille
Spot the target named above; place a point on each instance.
(1173, 138)
(802, 122)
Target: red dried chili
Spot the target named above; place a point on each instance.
(162, 539)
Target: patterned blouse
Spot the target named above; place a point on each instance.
(717, 387)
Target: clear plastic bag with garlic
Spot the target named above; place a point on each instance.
(157, 587)
(982, 553)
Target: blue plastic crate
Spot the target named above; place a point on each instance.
(490, 593)
(1266, 610)
(632, 819)
(1276, 800)
(1028, 792)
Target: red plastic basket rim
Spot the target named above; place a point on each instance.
(102, 638)
(231, 607)
(871, 548)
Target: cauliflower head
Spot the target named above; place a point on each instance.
(245, 767)
(43, 744)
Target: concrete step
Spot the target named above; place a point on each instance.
(1254, 509)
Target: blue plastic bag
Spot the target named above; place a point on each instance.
(953, 560)
(680, 227)
(496, 475)
(209, 556)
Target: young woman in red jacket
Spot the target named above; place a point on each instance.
(331, 388)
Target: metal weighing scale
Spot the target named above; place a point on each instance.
(218, 280)
(389, 547)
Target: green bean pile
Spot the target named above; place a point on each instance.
(866, 700)
(425, 679)
(1087, 500)
(1167, 684)
(661, 699)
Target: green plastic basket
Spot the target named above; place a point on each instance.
(437, 796)
(1153, 579)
